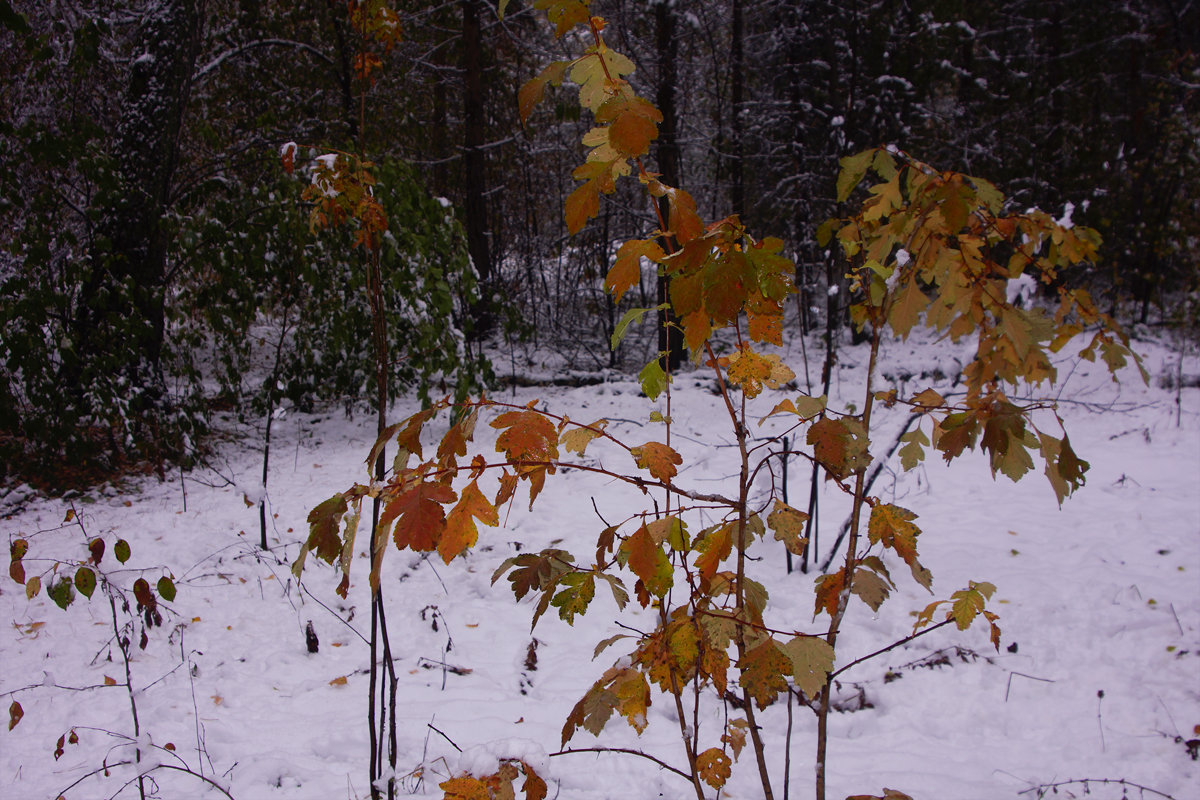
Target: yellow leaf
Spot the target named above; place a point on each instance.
(714, 767)
(659, 459)
(576, 440)
(338, 681)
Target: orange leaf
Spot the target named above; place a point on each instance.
(420, 516)
(461, 532)
(338, 681)
(684, 221)
(464, 787)
(627, 269)
(648, 561)
(714, 767)
(659, 459)
(582, 204)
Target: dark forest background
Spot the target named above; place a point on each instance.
(158, 268)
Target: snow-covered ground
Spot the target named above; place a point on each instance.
(1098, 674)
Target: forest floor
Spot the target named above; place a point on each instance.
(1097, 675)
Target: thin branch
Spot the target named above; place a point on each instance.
(891, 646)
(661, 763)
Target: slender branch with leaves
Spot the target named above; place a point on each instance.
(923, 245)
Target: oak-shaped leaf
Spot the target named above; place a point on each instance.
(812, 661)
(763, 669)
(658, 459)
(714, 767)
(828, 592)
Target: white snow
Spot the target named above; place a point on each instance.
(1100, 596)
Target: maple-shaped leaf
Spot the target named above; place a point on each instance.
(714, 767)
(752, 371)
(454, 442)
(576, 596)
(657, 458)
(727, 281)
(633, 126)
(906, 308)
(955, 433)
(626, 270)
(812, 661)
(576, 440)
(913, 451)
(534, 89)
(764, 320)
(829, 591)
(464, 787)
(839, 445)
(715, 545)
(892, 526)
(763, 669)
(683, 220)
(648, 561)
(565, 14)
(697, 328)
(531, 441)
(653, 379)
(323, 523)
(420, 514)
(592, 711)
(966, 604)
(854, 169)
(581, 205)
(460, 532)
(870, 588)
(533, 786)
(788, 524)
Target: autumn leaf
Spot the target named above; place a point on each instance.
(85, 581)
(575, 597)
(892, 526)
(565, 14)
(811, 662)
(460, 532)
(788, 524)
(659, 459)
(828, 592)
(913, 451)
(715, 545)
(534, 89)
(15, 712)
(683, 220)
(581, 205)
(653, 379)
(648, 561)
(839, 446)
(419, 514)
(763, 669)
(752, 371)
(854, 168)
(626, 271)
(527, 436)
(714, 767)
(576, 440)
(323, 523)
(464, 787)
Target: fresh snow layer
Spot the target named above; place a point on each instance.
(1098, 674)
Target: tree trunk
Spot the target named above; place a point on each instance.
(670, 337)
(474, 164)
(120, 326)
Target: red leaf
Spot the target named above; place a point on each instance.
(420, 518)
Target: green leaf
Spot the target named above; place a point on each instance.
(628, 318)
(166, 588)
(575, 598)
(913, 451)
(121, 550)
(854, 168)
(653, 379)
(85, 581)
(61, 592)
